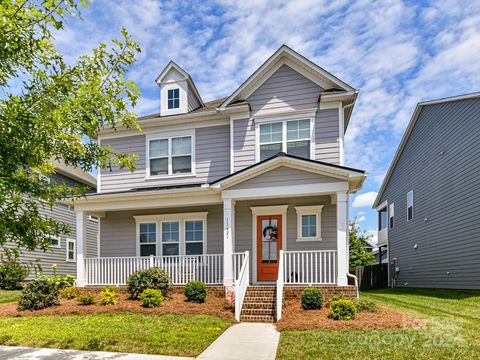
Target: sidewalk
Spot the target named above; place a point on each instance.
(20, 352)
(244, 341)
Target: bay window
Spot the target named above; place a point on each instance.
(293, 137)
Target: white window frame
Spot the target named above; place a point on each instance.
(181, 218)
(304, 115)
(59, 242)
(391, 215)
(410, 192)
(169, 136)
(309, 210)
(68, 241)
(148, 243)
(174, 98)
(92, 218)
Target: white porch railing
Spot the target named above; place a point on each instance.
(241, 283)
(280, 287)
(237, 260)
(182, 269)
(310, 267)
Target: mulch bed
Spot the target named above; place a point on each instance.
(175, 304)
(295, 318)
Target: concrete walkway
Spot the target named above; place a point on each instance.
(20, 352)
(244, 341)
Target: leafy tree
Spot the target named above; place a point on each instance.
(359, 255)
(52, 110)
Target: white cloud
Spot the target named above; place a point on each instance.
(364, 200)
(360, 216)
(372, 233)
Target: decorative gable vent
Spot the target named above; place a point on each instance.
(178, 94)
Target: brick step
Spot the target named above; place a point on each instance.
(257, 318)
(258, 299)
(262, 287)
(269, 312)
(257, 305)
(260, 293)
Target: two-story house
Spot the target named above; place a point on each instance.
(251, 188)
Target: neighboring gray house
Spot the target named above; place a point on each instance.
(248, 189)
(428, 202)
(63, 249)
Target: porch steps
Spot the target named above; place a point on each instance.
(259, 304)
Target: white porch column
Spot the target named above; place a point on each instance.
(342, 231)
(81, 246)
(228, 206)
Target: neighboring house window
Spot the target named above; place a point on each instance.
(71, 251)
(410, 205)
(148, 239)
(382, 219)
(309, 223)
(291, 136)
(179, 234)
(391, 209)
(173, 98)
(93, 218)
(172, 155)
(171, 238)
(55, 242)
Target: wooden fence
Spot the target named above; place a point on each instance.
(372, 276)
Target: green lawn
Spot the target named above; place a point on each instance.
(186, 335)
(452, 330)
(7, 296)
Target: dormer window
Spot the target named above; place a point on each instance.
(173, 99)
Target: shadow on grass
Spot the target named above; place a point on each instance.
(434, 293)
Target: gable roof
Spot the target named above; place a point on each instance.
(74, 173)
(407, 133)
(355, 176)
(172, 65)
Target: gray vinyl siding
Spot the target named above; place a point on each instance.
(286, 89)
(243, 143)
(212, 159)
(118, 229)
(326, 136)
(244, 229)
(283, 176)
(440, 163)
(192, 101)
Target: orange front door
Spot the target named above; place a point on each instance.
(269, 244)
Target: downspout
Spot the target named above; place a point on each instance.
(348, 251)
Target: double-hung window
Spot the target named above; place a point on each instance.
(309, 223)
(171, 155)
(178, 234)
(290, 136)
(173, 98)
(410, 205)
(382, 219)
(148, 239)
(391, 210)
(55, 242)
(71, 251)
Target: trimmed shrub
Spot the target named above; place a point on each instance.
(113, 288)
(38, 294)
(342, 310)
(366, 305)
(12, 272)
(196, 291)
(108, 296)
(151, 298)
(86, 299)
(69, 292)
(312, 298)
(153, 278)
(60, 281)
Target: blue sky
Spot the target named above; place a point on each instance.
(396, 53)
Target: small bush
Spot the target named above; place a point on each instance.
(12, 272)
(38, 294)
(70, 292)
(151, 298)
(342, 310)
(196, 291)
(312, 298)
(366, 305)
(112, 288)
(86, 299)
(108, 296)
(60, 281)
(153, 278)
